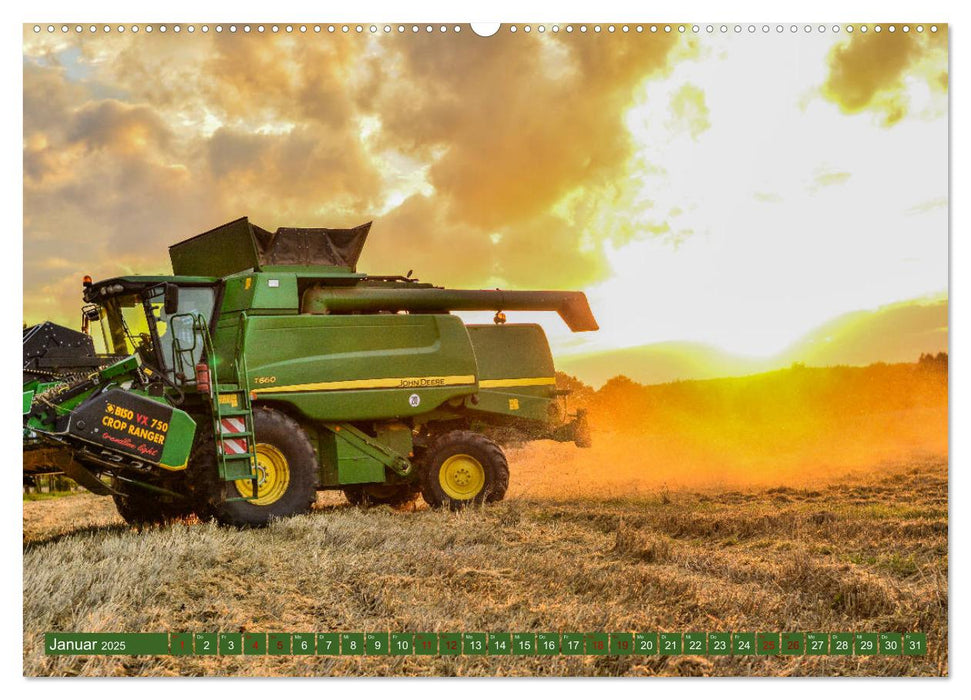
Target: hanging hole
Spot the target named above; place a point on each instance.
(485, 28)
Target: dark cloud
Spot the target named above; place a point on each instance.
(522, 120)
(292, 174)
(48, 95)
(113, 125)
(515, 125)
(304, 79)
(867, 71)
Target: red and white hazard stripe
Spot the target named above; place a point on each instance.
(233, 425)
(234, 446)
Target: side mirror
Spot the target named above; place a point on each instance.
(89, 314)
(171, 299)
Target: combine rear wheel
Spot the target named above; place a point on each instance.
(463, 468)
(381, 494)
(287, 468)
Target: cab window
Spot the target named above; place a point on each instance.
(193, 302)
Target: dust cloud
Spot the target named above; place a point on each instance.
(796, 427)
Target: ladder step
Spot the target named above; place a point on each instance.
(232, 436)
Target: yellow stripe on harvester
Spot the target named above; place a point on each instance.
(525, 381)
(407, 383)
(386, 383)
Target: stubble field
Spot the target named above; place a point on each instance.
(867, 554)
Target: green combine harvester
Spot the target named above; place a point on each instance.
(266, 368)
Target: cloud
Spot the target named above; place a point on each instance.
(515, 127)
(767, 197)
(421, 235)
(110, 124)
(483, 162)
(927, 206)
(133, 143)
(290, 177)
(689, 111)
(256, 79)
(869, 72)
(829, 178)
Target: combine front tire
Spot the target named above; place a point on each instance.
(463, 468)
(287, 471)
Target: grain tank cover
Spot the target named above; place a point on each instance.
(240, 245)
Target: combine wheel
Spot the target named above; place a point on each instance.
(462, 468)
(381, 494)
(287, 471)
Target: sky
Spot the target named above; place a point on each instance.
(737, 190)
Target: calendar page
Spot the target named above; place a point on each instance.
(519, 349)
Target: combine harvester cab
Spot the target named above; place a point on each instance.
(276, 370)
